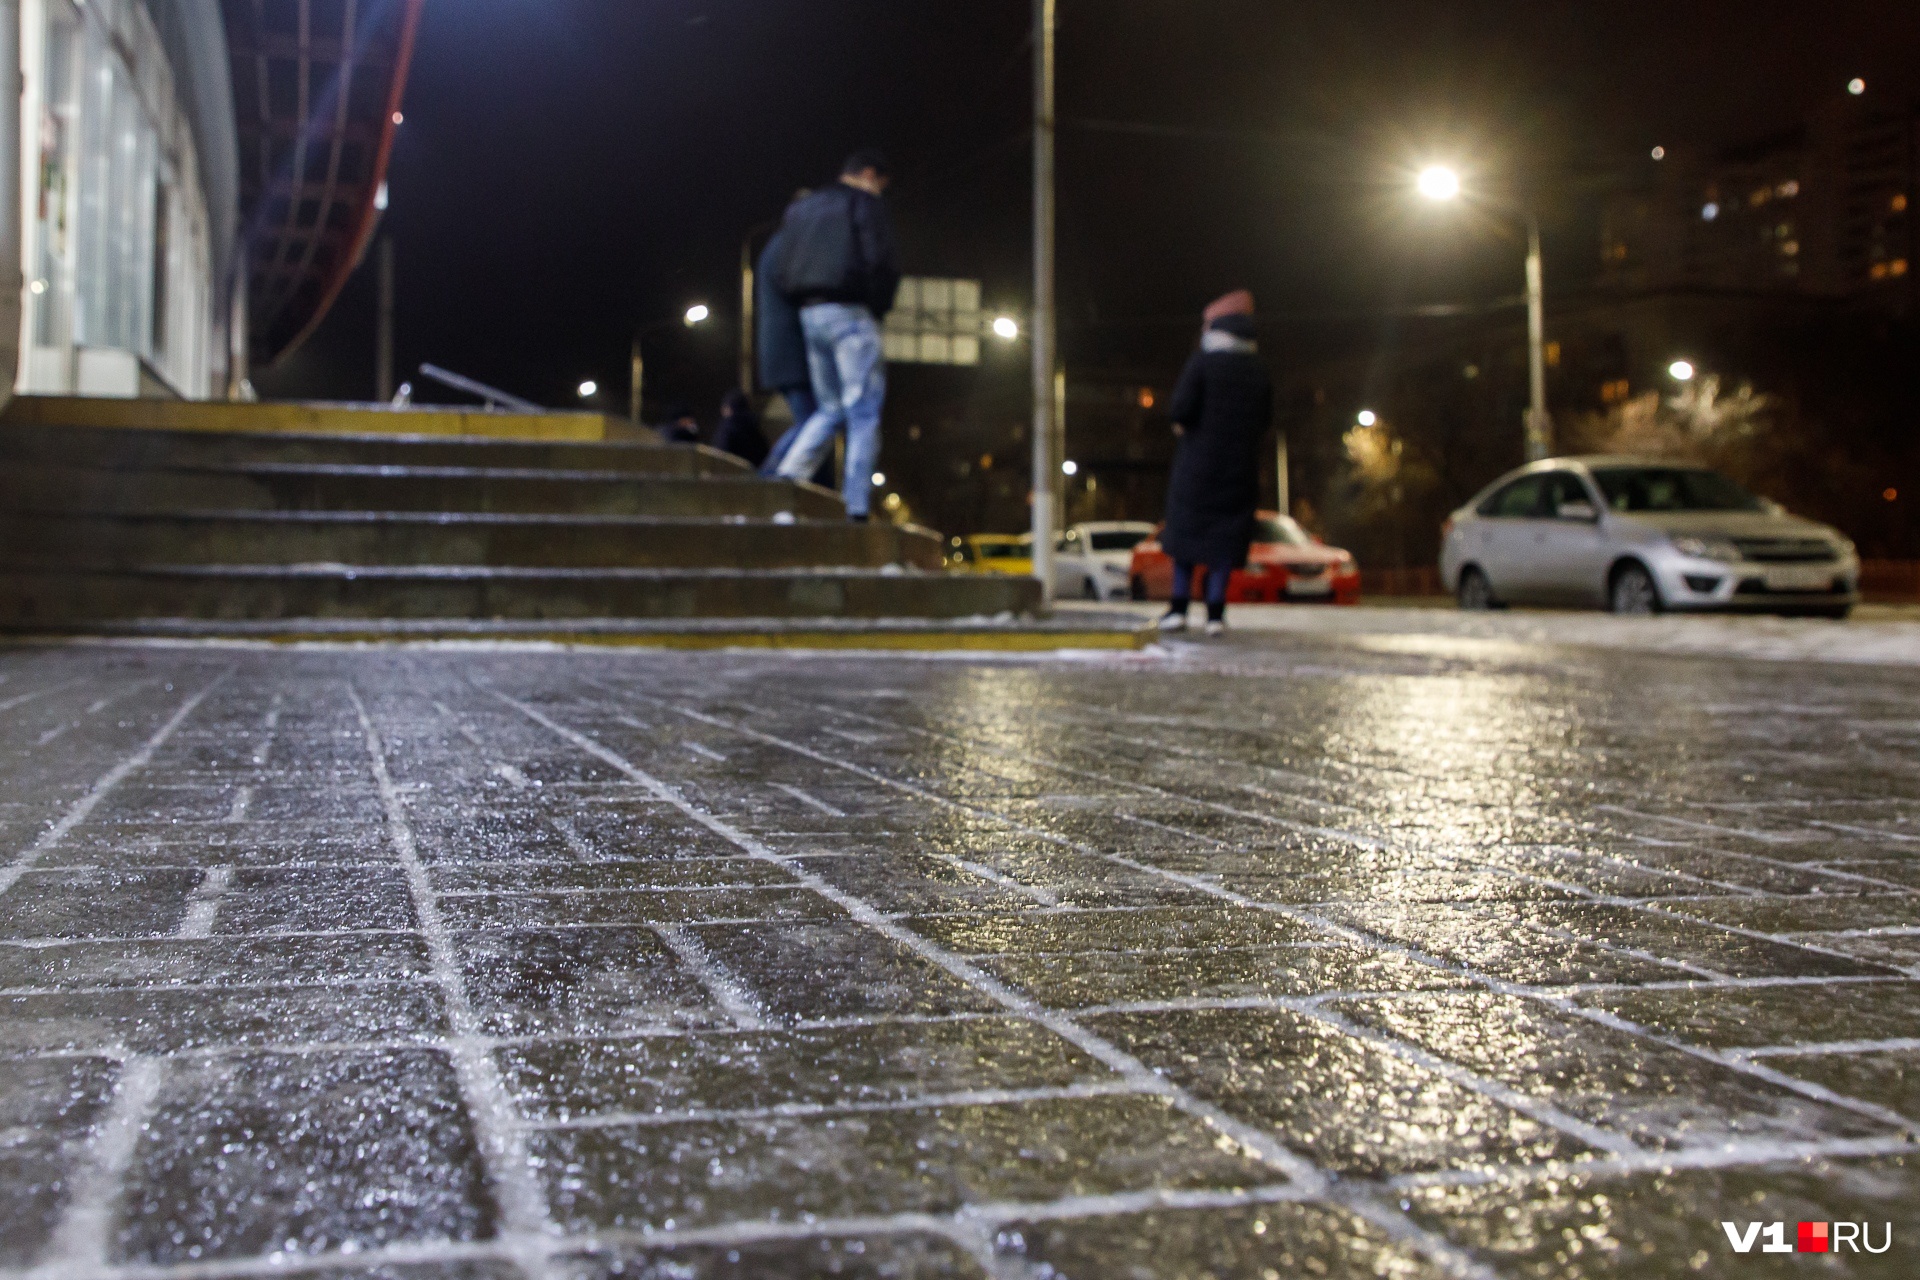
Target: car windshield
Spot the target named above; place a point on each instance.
(1672, 489)
(1281, 529)
(1116, 539)
(1002, 550)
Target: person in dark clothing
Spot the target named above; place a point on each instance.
(780, 353)
(739, 430)
(681, 426)
(839, 268)
(1221, 410)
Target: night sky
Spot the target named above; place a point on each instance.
(571, 169)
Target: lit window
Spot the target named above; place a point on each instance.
(1553, 355)
(1879, 271)
(1898, 267)
(1709, 211)
(1899, 203)
(1788, 189)
(1760, 197)
(1790, 248)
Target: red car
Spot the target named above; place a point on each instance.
(1285, 564)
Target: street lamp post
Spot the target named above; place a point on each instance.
(1044, 357)
(1439, 183)
(696, 314)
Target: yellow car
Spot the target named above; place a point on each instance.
(992, 553)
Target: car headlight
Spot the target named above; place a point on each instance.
(1707, 548)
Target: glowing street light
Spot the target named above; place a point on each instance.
(588, 389)
(1681, 371)
(1006, 328)
(1069, 468)
(697, 314)
(1856, 86)
(879, 479)
(1367, 418)
(1441, 184)
(1438, 182)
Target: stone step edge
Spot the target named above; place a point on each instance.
(329, 516)
(1004, 633)
(402, 574)
(411, 471)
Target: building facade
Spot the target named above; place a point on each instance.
(176, 164)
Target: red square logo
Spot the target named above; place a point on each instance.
(1813, 1237)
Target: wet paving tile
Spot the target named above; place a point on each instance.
(1348, 1106)
(1660, 1097)
(1813, 913)
(927, 1161)
(214, 961)
(677, 906)
(1682, 940)
(47, 1109)
(1652, 1226)
(1149, 929)
(168, 1021)
(303, 1154)
(605, 877)
(884, 1062)
(907, 1256)
(1720, 1018)
(1077, 981)
(308, 900)
(1890, 1079)
(580, 982)
(835, 970)
(1501, 945)
(1260, 1242)
(913, 883)
(96, 904)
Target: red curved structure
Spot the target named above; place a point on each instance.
(317, 87)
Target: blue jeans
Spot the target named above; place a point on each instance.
(801, 404)
(849, 370)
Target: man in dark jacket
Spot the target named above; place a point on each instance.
(1221, 410)
(780, 352)
(838, 267)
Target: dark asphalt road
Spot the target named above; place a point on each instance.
(1289, 956)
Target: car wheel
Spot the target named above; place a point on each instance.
(1476, 593)
(1633, 591)
(1137, 589)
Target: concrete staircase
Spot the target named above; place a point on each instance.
(298, 532)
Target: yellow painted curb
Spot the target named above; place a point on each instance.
(294, 417)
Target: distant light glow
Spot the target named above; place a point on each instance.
(1659, 153)
(380, 198)
(1367, 418)
(1681, 370)
(1437, 182)
(697, 313)
(399, 118)
(1006, 328)
(1069, 468)
(588, 389)
(38, 286)
(879, 478)
(1856, 86)
(1891, 495)
(1709, 211)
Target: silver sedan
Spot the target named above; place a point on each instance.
(1639, 536)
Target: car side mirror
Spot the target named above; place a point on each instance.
(1579, 511)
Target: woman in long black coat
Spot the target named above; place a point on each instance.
(1222, 409)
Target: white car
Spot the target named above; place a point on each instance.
(1636, 535)
(1091, 560)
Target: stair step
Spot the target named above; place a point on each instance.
(65, 541)
(44, 487)
(120, 449)
(32, 599)
(1079, 631)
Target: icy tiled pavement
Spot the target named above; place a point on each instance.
(1281, 957)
